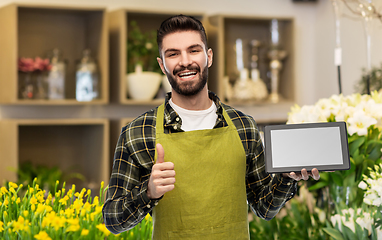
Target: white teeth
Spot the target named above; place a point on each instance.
(187, 74)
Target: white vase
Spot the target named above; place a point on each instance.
(143, 85)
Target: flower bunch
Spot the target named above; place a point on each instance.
(373, 187)
(363, 116)
(359, 111)
(65, 214)
(356, 224)
(33, 65)
(365, 222)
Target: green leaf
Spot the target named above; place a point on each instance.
(375, 153)
(356, 144)
(318, 185)
(337, 178)
(324, 176)
(334, 233)
(348, 232)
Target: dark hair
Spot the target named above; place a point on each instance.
(180, 23)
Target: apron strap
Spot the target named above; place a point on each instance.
(160, 116)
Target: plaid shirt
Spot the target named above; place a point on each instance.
(127, 202)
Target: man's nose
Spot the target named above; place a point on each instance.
(185, 60)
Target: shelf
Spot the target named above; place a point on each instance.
(223, 30)
(119, 22)
(80, 146)
(33, 30)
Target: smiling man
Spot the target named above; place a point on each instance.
(193, 163)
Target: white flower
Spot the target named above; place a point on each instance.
(379, 234)
(307, 114)
(359, 123)
(365, 222)
(362, 185)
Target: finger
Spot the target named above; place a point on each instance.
(164, 182)
(163, 189)
(315, 174)
(294, 176)
(304, 174)
(164, 166)
(160, 153)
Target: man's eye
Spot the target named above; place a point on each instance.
(171, 54)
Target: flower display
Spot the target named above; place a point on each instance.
(373, 187)
(38, 64)
(365, 222)
(359, 111)
(363, 117)
(63, 214)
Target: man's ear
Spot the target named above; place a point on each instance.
(210, 55)
(160, 62)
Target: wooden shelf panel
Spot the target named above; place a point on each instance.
(80, 146)
(32, 31)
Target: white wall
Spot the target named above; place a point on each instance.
(314, 48)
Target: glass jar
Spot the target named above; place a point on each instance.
(87, 78)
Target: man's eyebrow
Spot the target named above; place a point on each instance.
(176, 50)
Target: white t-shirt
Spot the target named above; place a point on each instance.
(196, 120)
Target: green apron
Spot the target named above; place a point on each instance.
(209, 199)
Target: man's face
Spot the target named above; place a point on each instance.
(185, 61)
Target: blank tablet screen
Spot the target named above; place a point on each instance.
(311, 145)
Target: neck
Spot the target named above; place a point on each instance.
(200, 101)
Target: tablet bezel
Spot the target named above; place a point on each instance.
(344, 147)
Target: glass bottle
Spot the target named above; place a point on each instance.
(87, 78)
(56, 76)
(259, 89)
(242, 89)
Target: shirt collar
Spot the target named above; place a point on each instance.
(171, 118)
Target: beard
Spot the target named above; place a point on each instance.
(188, 88)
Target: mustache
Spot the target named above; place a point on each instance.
(189, 67)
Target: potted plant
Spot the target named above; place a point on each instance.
(144, 75)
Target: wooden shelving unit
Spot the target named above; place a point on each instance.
(84, 145)
(33, 30)
(119, 22)
(77, 145)
(223, 30)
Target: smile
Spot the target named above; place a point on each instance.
(187, 75)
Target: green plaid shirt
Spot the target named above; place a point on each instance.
(127, 202)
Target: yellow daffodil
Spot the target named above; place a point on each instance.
(1, 226)
(40, 208)
(96, 201)
(12, 185)
(73, 228)
(84, 232)
(4, 190)
(33, 200)
(64, 200)
(21, 225)
(42, 236)
(103, 229)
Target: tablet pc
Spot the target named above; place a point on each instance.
(292, 147)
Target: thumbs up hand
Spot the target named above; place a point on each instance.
(162, 177)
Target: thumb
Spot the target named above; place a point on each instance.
(160, 153)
